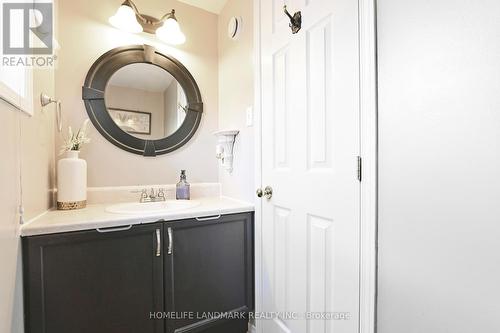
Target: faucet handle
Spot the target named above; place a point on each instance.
(161, 193)
(144, 194)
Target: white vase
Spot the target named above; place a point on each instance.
(71, 182)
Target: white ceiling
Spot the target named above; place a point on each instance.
(142, 76)
(214, 6)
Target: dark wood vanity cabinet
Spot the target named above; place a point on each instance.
(148, 278)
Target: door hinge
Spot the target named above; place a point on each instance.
(360, 168)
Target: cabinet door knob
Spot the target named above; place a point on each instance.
(259, 192)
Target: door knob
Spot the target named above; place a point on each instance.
(268, 192)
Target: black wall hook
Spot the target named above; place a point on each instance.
(295, 20)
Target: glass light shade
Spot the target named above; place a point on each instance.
(125, 20)
(170, 32)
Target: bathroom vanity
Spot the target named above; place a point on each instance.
(187, 271)
(132, 266)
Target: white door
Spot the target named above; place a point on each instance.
(310, 139)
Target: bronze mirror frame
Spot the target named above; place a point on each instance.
(94, 88)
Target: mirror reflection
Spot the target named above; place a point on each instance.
(145, 101)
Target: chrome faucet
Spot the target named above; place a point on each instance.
(153, 196)
(144, 195)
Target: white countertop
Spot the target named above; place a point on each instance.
(95, 216)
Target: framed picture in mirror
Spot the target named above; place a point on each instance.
(131, 121)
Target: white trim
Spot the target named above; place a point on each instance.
(252, 329)
(22, 97)
(368, 131)
(8, 95)
(21, 100)
(258, 161)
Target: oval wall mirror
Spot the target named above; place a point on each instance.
(142, 101)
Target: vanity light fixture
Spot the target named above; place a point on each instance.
(125, 18)
(128, 18)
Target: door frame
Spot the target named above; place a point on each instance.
(253, 327)
(368, 152)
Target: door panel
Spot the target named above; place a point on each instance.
(310, 135)
(210, 270)
(91, 282)
(320, 271)
(281, 64)
(319, 101)
(280, 257)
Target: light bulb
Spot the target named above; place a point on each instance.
(125, 19)
(170, 32)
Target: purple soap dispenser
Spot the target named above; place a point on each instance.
(182, 188)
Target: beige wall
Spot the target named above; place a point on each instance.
(27, 159)
(171, 102)
(38, 148)
(85, 36)
(235, 95)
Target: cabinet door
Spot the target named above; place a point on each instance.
(208, 271)
(94, 282)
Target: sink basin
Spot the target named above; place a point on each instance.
(147, 208)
